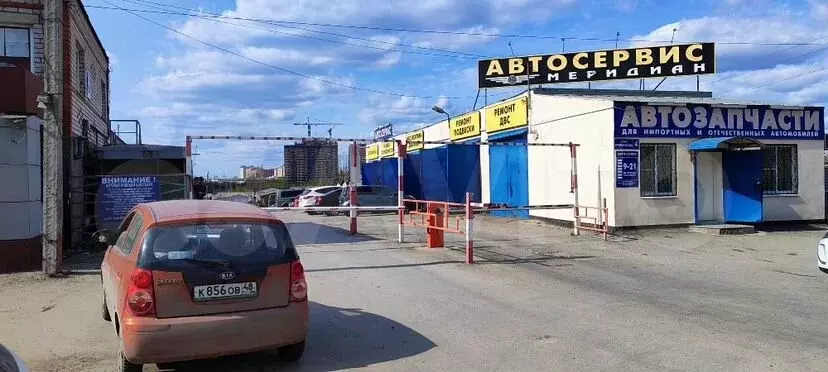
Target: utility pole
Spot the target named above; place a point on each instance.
(52, 104)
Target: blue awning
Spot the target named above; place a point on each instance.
(722, 144)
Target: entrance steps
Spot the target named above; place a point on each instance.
(723, 229)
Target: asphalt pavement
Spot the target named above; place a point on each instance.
(537, 300)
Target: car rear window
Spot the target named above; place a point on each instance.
(237, 243)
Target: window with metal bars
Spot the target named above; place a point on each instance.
(80, 60)
(781, 170)
(658, 169)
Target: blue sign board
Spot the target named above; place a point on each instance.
(626, 168)
(384, 132)
(626, 144)
(640, 120)
(117, 195)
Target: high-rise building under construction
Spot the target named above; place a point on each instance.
(312, 160)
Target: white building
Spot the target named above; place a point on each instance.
(658, 158)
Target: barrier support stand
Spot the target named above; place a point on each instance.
(469, 236)
(574, 185)
(435, 236)
(352, 201)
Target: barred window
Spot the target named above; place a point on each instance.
(781, 171)
(80, 59)
(658, 169)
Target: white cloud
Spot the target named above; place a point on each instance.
(819, 9)
(403, 111)
(389, 60)
(113, 59)
(183, 82)
(211, 113)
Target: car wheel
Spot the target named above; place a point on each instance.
(125, 365)
(292, 353)
(104, 310)
(329, 214)
(824, 270)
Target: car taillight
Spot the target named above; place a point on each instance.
(318, 200)
(140, 294)
(298, 285)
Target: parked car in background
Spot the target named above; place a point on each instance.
(822, 255)
(10, 362)
(316, 195)
(371, 195)
(285, 198)
(194, 279)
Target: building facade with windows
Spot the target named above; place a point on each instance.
(657, 158)
(85, 97)
(683, 157)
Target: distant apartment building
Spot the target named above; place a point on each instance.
(85, 98)
(314, 160)
(253, 172)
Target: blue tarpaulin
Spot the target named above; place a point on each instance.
(434, 182)
(389, 173)
(443, 174)
(463, 172)
(413, 173)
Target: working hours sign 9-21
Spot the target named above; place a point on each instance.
(117, 195)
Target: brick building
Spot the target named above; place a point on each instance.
(85, 70)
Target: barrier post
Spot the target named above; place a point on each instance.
(435, 237)
(606, 220)
(352, 201)
(574, 185)
(469, 236)
(401, 149)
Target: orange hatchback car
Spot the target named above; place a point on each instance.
(196, 279)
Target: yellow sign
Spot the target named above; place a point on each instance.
(386, 149)
(414, 141)
(465, 126)
(372, 152)
(507, 115)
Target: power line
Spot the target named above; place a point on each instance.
(784, 60)
(212, 16)
(287, 71)
(446, 32)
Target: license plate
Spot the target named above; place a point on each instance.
(222, 291)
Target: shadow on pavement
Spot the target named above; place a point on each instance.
(339, 339)
(486, 259)
(313, 233)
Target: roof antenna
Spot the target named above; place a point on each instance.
(510, 48)
(672, 38)
(617, 36)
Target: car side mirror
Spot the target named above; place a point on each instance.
(104, 236)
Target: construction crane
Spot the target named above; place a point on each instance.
(309, 125)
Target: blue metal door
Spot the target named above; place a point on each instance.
(508, 177)
(742, 186)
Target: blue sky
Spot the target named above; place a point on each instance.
(177, 86)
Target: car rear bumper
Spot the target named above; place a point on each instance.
(151, 340)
